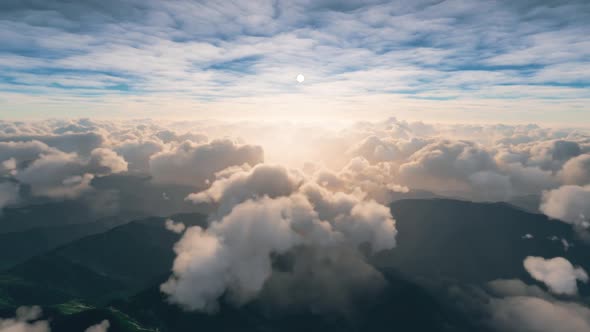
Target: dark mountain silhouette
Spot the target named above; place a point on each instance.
(16, 247)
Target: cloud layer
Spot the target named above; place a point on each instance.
(66, 159)
(431, 59)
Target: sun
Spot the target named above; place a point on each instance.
(300, 78)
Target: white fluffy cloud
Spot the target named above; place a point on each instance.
(67, 175)
(176, 227)
(193, 164)
(138, 153)
(263, 212)
(381, 159)
(557, 273)
(577, 170)
(81, 143)
(569, 203)
(451, 166)
(23, 151)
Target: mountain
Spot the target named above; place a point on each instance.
(16, 247)
(528, 203)
(441, 243)
(468, 242)
(403, 305)
(136, 192)
(97, 268)
(48, 214)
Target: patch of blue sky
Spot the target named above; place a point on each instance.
(523, 69)
(244, 65)
(432, 97)
(48, 71)
(36, 52)
(122, 87)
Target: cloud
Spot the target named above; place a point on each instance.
(512, 305)
(217, 58)
(449, 165)
(262, 213)
(81, 143)
(137, 153)
(236, 186)
(66, 175)
(193, 164)
(57, 175)
(26, 320)
(557, 273)
(101, 327)
(105, 161)
(23, 151)
(532, 314)
(569, 203)
(176, 227)
(576, 170)
(382, 159)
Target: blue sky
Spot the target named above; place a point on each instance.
(476, 61)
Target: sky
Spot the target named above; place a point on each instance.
(435, 61)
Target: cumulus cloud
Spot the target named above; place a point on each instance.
(193, 164)
(82, 144)
(569, 203)
(176, 227)
(26, 320)
(137, 153)
(67, 175)
(261, 213)
(106, 161)
(557, 273)
(21, 152)
(576, 171)
(383, 160)
(451, 165)
(101, 327)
